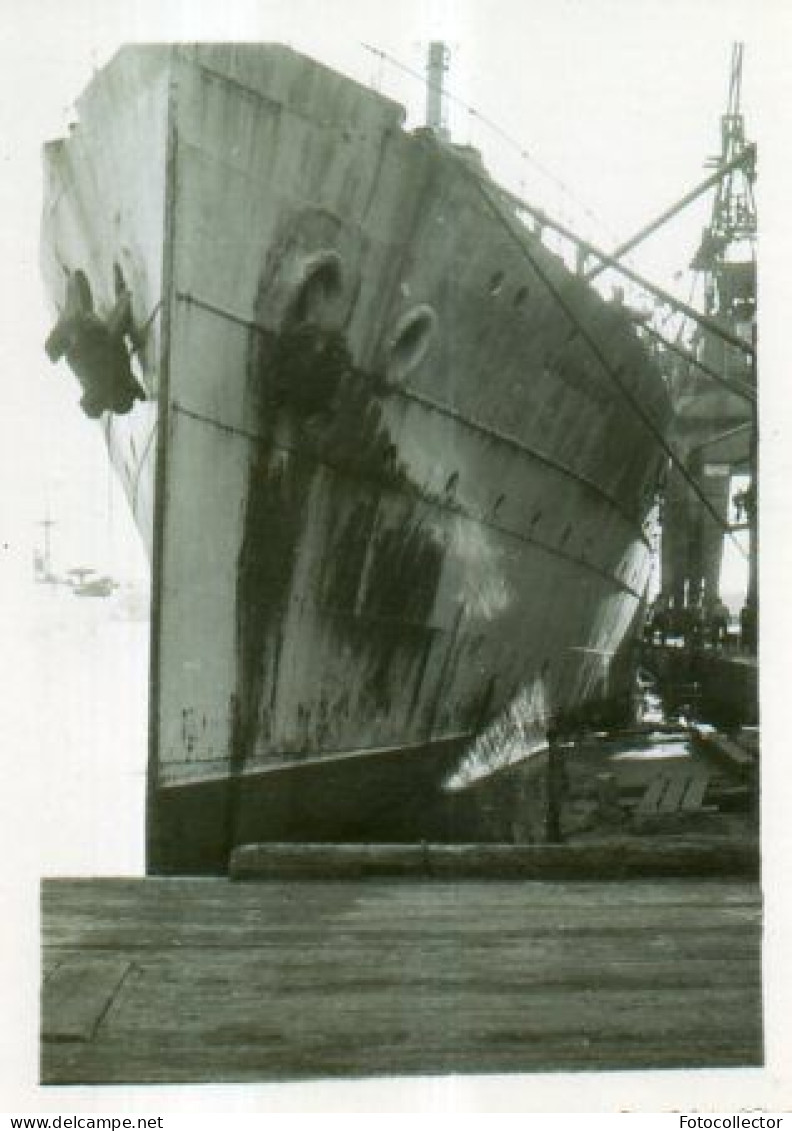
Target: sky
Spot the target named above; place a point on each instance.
(619, 99)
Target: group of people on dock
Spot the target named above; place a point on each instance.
(700, 624)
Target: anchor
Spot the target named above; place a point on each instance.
(95, 349)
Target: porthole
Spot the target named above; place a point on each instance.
(496, 283)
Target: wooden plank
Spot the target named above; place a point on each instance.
(694, 794)
(732, 750)
(160, 914)
(748, 738)
(367, 1033)
(653, 795)
(676, 785)
(511, 1051)
(592, 859)
(262, 927)
(76, 996)
(192, 898)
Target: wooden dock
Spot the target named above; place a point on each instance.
(720, 686)
(196, 980)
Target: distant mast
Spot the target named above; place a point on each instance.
(436, 67)
(43, 560)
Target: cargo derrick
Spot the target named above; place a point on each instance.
(714, 429)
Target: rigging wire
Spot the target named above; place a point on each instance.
(599, 353)
(494, 128)
(524, 153)
(585, 333)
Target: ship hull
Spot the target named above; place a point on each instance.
(391, 796)
(396, 503)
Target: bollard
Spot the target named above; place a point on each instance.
(555, 788)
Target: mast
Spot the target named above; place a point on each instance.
(436, 67)
(47, 523)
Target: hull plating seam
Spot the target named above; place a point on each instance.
(229, 315)
(437, 504)
(252, 95)
(513, 442)
(211, 75)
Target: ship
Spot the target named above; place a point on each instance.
(395, 464)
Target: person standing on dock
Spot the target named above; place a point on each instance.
(719, 624)
(748, 628)
(557, 784)
(694, 625)
(658, 619)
